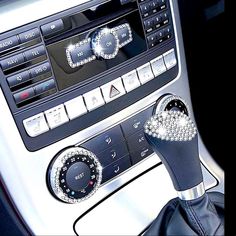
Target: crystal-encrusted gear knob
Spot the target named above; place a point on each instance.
(74, 175)
(173, 136)
(171, 126)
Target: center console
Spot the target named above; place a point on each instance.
(76, 89)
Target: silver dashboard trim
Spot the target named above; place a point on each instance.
(192, 193)
(22, 170)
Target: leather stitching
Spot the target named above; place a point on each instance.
(190, 211)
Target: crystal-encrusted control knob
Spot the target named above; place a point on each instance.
(74, 175)
(105, 43)
(170, 102)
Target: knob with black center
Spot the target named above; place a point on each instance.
(105, 43)
(170, 102)
(74, 175)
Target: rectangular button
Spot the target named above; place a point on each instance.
(12, 61)
(52, 27)
(35, 53)
(75, 107)
(36, 125)
(113, 90)
(56, 116)
(167, 32)
(160, 36)
(93, 99)
(131, 81)
(148, 25)
(24, 95)
(170, 59)
(124, 34)
(152, 40)
(157, 21)
(18, 78)
(40, 70)
(29, 35)
(104, 140)
(116, 168)
(8, 43)
(145, 9)
(164, 18)
(45, 86)
(138, 146)
(145, 73)
(158, 65)
(136, 140)
(113, 154)
(80, 53)
(140, 153)
(136, 123)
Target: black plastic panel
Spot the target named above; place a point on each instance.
(48, 100)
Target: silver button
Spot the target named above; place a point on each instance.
(131, 81)
(145, 73)
(170, 59)
(36, 125)
(93, 99)
(113, 90)
(158, 66)
(56, 116)
(75, 107)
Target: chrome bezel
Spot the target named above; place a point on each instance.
(96, 43)
(73, 47)
(59, 163)
(192, 193)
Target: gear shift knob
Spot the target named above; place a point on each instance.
(173, 136)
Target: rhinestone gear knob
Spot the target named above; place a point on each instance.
(173, 136)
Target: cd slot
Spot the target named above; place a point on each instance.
(87, 20)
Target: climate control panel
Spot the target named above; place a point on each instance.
(76, 172)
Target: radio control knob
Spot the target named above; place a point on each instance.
(170, 102)
(74, 175)
(105, 43)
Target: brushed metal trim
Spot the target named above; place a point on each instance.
(192, 193)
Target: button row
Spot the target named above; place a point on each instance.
(27, 75)
(37, 90)
(156, 22)
(108, 92)
(152, 7)
(16, 40)
(23, 57)
(122, 146)
(159, 36)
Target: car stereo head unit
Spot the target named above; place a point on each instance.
(71, 70)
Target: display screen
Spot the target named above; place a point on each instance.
(67, 76)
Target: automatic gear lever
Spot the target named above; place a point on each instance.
(173, 136)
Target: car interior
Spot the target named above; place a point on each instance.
(109, 113)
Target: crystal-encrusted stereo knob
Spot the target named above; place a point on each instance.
(74, 175)
(105, 43)
(170, 102)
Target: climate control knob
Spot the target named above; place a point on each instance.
(105, 43)
(74, 175)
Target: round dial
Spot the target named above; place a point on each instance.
(74, 175)
(105, 43)
(172, 103)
